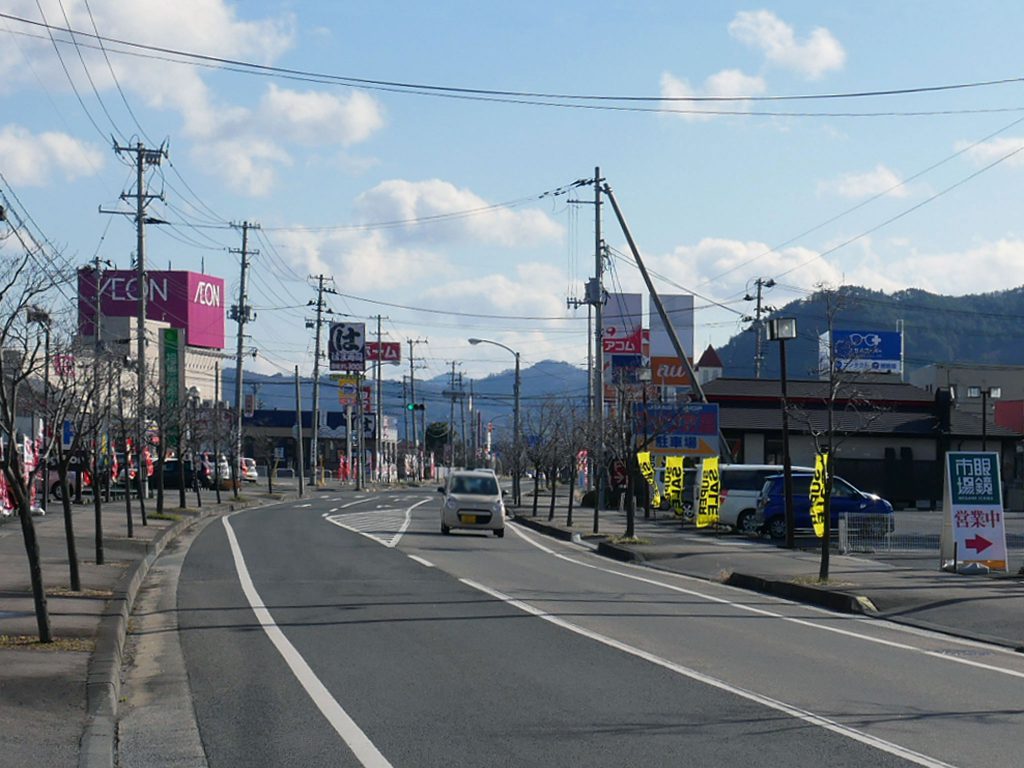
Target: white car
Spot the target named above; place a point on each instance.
(247, 469)
(472, 500)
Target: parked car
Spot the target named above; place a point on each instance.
(741, 485)
(472, 499)
(865, 510)
(247, 469)
(170, 473)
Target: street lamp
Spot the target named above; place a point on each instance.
(782, 329)
(985, 393)
(41, 316)
(515, 418)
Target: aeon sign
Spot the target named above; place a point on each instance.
(191, 301)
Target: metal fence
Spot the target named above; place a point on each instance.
(914, 533)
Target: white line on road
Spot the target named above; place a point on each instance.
(346, 727)
(802, 622)
(339, 520)
(802, 714)
(421, 561)
(302, 506)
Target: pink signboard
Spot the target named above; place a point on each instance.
(189, 300)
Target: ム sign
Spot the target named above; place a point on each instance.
(384, 352)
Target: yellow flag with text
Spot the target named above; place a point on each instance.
(710, 489)
(647, 470)
(817, 494)
(674, 483)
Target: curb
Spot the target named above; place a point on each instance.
(834, 600)
(103, 679)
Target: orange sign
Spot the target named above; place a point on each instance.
(669, 372)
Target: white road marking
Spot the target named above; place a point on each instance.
(803, 622)
(780, 706)
(302, 506)
(376, 524)
(333, 509)
(345, 726)
(421, 561)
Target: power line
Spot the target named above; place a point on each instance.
(531, 98)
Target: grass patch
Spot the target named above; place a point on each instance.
(814, 581)
(67, 592)
(31, 642)
(629, 540)
(164, 516)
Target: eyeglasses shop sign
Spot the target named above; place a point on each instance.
(346, 347)
(862, 351)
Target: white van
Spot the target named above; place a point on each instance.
(741, 485)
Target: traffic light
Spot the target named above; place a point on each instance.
(415, 407)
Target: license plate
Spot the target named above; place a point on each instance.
(470, 519)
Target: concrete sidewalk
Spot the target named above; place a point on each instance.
(905, 587)
(58, 701)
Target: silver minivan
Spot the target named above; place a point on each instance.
(741, 485)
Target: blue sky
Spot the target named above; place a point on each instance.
(320, 166)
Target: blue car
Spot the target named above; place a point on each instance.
(862, 510)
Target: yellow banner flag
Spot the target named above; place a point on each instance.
(817, 495)
(674, 483)
(710, 488)
(647, 470)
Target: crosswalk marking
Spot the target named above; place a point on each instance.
(384, 525)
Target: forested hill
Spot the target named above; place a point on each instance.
(981, 328)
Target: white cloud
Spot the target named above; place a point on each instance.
(399, 200)
(248, 166)
(812, 57)
(31, 159)
(990, 151)
(317, 118)
(860, 185)
(535, 289)
(729, 83)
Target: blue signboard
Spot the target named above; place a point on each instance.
(679, 430)
(868, 351)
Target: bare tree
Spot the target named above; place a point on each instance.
(23, 282)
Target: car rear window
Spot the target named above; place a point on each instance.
(744, 479)
(480, 486)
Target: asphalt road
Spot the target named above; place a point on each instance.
(346, 630)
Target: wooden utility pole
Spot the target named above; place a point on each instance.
(240, 313)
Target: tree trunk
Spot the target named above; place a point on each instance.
(28, 530)
(630, 504)
(826, 540)
(69, 527)
(554, 491)
(573, 477)
(536, 489)
(97, 504)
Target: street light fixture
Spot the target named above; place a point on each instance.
(515, 418)
(985, 393)
(782, 329)
(39, 315)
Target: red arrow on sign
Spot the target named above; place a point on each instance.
(979, 543)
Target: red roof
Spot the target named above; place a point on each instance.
(710, 359)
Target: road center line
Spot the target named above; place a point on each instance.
(780, 706)
(776, 615)
(345, 726)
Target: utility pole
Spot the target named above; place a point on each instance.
(758, 323)
(417, 471)
(314, 448)
(379, 428)
(298, 428)
(240, 313)
(453, 396)
(599, 461)
(143, 158)
(97, 351)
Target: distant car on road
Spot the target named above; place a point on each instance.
(472, 499)
(247, 469)
(865, 510)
